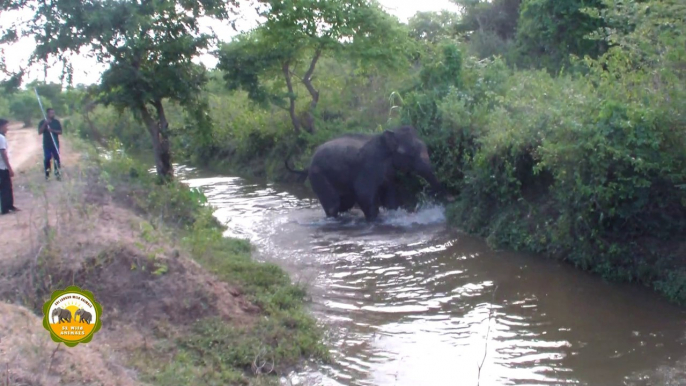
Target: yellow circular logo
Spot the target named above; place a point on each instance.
(72, 316)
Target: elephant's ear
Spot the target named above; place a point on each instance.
(391, 140)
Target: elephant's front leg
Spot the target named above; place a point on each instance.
(370, 209)
(368, 200)
(388, 197)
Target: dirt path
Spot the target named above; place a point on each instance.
(27, 354)
(26, 157)
(25, 147)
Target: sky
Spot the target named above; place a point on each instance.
(87, 70)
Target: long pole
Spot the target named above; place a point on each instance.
(45, 117)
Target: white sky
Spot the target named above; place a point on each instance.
(87, 70)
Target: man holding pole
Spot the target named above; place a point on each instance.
(51, 129)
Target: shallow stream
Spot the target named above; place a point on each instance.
(409, 301)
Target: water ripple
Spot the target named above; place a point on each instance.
(409, 302)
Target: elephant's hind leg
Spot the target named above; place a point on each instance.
(328, 196)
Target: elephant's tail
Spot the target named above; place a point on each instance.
(303, 173)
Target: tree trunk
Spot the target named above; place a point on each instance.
(94, 132)
(160, 140)
(307, 81)
(291, 97)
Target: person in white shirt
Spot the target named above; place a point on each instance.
(6, 173)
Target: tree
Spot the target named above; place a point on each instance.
(550, 30)
(646, 36)
(433, 26)
(51, 95)
(24, 106)
(148, 44)
(489, 26)
(294, 37)
(496, 16)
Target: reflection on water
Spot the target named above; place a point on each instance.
(408, 301)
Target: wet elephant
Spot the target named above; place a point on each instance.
(346, 146)
(61, 314)
(84, 315)
(360, 169)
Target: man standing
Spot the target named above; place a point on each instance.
(6, 173)
(51, 142)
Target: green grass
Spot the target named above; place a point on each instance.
(214, 351)
(217, 353)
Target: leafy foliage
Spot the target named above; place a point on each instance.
(489, 26)
(549, 31)
(433, 27)
(292, 40)
(149, 47)
(24, 107)
(498, 16)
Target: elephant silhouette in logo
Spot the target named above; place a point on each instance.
(84, 315)
(62, 315)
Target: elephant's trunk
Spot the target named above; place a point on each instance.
(425, 170)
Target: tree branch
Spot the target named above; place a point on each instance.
(291, 97)
(307, 81)
(310, 71)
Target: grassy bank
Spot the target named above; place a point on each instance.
(216, 352)
(182, 304)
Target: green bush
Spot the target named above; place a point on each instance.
(24, 107)
(588, 168)
(4, 107)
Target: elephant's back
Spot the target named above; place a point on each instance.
(352, 140)
(338, 159)
(342, 149)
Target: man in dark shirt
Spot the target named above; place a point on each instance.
(51, 142)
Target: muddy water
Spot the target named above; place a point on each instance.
(410, 302)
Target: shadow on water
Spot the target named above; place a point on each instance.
(408, 300)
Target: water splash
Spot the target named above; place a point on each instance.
(428, 214)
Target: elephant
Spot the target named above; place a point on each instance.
(84, 316)
(360, 169)
(62, 314)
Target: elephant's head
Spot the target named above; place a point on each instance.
(410, 154)
(79, 312)
(56, 312)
